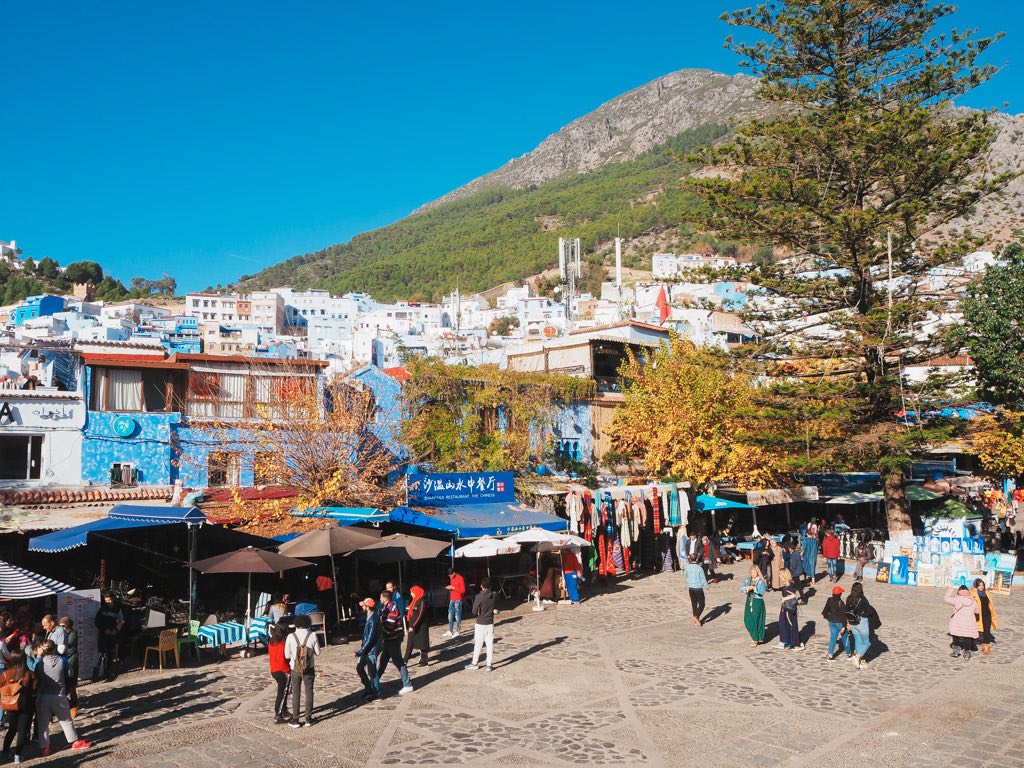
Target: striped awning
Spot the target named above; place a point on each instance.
(19, 584)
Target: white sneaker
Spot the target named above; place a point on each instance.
(780, 645)
(446, 635)
(472, 666)
(405, 690)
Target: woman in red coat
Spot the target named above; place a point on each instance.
(419, 626)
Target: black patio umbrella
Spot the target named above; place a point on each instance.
(248, 560)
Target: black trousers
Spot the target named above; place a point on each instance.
(697, 601)
(17, 724)
(281, 700)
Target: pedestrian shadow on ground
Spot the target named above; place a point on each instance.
(876, 649)
(714, 613)
(439, 672)
(136, 707)
(725, 576)
(771, 632)
(808, 631)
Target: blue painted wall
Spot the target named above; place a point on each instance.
(196, 444)
(149, 448)
(37, 306)
(572, 431)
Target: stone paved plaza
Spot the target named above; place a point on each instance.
(624, 679)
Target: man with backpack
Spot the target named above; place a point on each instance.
(392, 632)
(301, 649)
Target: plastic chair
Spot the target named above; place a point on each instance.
(168, 642)
(190, 638)
(262, 604)
(318, 626)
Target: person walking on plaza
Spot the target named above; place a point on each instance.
(418, 624)
(396, 596)
(696, 582)
(987, 618)
(109, 620)
(572, 569)
(456, 591)
(53, 631)
(753, 612)
(810, 547)
(834, 613)
(301, 649)
(368, 652)
(71, 654)
(18, 682)
(830, 549)
(52, 699)
(860, 615)
(963, 622)
(483, 630)
(280, 670)
(795, 565)
(710, 553)
(392, 633)
(789, 622)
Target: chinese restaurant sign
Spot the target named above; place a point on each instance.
(449, 488)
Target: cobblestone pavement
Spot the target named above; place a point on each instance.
(624, 679)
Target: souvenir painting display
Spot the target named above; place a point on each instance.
(899, 570)
(912, 579)
(925, 577)
(961, 577)
(1002, 581)
(882, 574)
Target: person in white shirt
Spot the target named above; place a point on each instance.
(54, 632)
(301, 649)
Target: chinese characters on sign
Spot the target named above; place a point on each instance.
(462, 488)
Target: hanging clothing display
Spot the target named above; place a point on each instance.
(656, 510)
(674, 518)
(574, 511)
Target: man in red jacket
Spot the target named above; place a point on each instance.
(830, 549)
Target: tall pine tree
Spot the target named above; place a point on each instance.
(862, 167)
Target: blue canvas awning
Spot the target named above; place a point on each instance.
(345, 515)
(120, 517)
(471, 521)
(706, 503)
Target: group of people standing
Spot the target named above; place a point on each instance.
(392, 633)
(39, 683)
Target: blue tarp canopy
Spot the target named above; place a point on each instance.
(707, 503)
(345, 515)
(471, 521)
(120, 517)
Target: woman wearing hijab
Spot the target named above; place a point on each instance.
(963, 622)
(753, 612)
(987, 618)
(419, 626)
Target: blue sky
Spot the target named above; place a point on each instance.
(212, 139)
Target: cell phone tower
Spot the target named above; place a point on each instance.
(569, 271)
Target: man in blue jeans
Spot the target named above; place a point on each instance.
(392, 632)
(456, 591)
(369, 650)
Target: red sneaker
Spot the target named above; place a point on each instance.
(45, 751)
(81, 744)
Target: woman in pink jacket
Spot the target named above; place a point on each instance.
(963, 623)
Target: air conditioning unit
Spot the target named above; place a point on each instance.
(123, 475)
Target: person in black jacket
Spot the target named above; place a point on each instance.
(109, 620)
(483, 630)
(369, 650)
(834, 613)
(860, 616)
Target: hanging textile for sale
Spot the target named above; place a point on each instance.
(684, 507)
(617, 556)
(674, 518)
(574, 510)
(668, 564)
(588, 525)
(656, 510)
(595, 513)
(606, 535)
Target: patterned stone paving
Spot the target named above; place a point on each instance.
(626, 679)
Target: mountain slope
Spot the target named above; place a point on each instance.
(626, 127)
(617, 169)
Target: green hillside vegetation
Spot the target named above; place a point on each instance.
(498, 235)
(46, 276)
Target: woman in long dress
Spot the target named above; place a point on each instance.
(811, 551)
(778, 563)
(753, 611)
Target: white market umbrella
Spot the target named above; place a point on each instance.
(540, 536)
(488, 547)
(19, 584)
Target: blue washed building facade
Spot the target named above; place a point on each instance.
(37, 306)
(190, 417)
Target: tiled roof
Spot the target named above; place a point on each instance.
(398, 374)
(49, 496)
